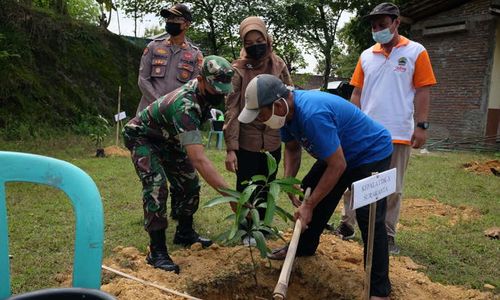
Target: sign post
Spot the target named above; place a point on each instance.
(368, 191)
(119, 116)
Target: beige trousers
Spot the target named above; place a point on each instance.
(399, 160)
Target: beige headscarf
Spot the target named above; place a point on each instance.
(270, 63)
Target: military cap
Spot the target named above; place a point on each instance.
(218, 73)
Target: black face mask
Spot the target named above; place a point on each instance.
(256, 51)
(214, 99)
(174, 29)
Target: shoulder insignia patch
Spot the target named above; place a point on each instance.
(158, 61)
(146, 50)
(161, 51)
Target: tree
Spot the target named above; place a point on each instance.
(315, 22)
(152, 31)
(216, 23)
(59, 6)
(137, 9)
(105, 6)
(284, 44)
(356, 35)
(84, 10)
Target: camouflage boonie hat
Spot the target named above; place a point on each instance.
(218, 73)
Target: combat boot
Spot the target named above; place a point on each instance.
(161, 260)
(158, 255)
(186, 235)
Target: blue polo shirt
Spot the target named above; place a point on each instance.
(322, 122)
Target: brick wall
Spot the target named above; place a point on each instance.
(462, 65)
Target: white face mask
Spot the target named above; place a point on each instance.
(383, 36)
(276, 122)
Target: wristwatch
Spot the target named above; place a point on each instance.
(424, 125)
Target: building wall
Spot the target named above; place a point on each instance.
(461, 55)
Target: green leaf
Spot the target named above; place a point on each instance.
(284, 214)
(243, 214)
(247, 193)
(255, 217)
(230, 192)
(237, 237)
(234, 230)
(261, 243)
(288, 180)
(262, 205)
(272, 196)
(271, 163)
(259, 178)
(291, 189)
(220, 200)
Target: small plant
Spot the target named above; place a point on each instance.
(98, 131)
(245, 209)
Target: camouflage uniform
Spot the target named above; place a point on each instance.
(165, 67)
(156, 137)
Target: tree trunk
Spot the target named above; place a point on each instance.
(135, 18)
(328, 67)
(212, 37)
(59, 6)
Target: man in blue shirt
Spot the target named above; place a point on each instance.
(348, 146)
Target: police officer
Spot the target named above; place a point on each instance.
(166, 143)
(168, 63)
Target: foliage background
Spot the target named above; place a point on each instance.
(60, 71)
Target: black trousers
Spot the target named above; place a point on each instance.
(309, 240)
(254, 163)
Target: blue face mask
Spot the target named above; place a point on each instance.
(383, 36)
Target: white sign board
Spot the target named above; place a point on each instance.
(373, 188)
(120, 116)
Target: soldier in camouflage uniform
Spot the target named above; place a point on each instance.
(166, 144)
(168, 63)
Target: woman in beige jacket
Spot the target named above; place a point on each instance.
(246, 143)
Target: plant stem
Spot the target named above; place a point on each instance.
(253, 260)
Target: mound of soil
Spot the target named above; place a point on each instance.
(490, 167)
(335, 272)
(116, 151)
(416, 213)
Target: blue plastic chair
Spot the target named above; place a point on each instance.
(87, 206)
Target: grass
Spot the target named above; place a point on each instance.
(41, 220)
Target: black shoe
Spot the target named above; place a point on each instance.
(393, 248)
(161, 260)
(190, 237)
(344, 231)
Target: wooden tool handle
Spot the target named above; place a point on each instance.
(282, 285)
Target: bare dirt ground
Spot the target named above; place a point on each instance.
(335, 272)
(490, 167)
